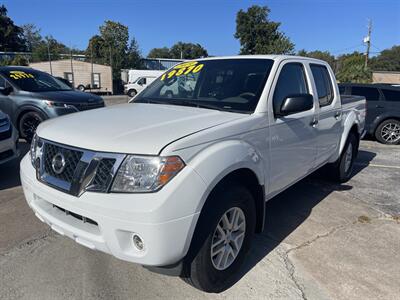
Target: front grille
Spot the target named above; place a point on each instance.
(74, 170)
(72, 158)
(6, 154)
(88, 106)
(103, 175)
(6, 134)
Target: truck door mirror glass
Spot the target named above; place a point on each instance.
(295, 103)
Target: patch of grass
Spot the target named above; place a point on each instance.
(364, 219)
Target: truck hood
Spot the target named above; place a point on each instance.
(136, 128)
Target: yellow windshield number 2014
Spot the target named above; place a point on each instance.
(20, 75)
(183, 69)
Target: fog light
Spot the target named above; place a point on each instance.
(138, 242)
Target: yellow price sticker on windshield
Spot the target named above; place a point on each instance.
(183, 69)
(20, 75)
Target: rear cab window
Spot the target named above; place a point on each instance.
(323, 84)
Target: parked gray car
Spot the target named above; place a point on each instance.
(8, 139)
(29, 97)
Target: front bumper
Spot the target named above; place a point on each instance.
(9, 147)
(164, 220)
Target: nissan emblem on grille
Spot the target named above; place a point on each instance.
(58, 163)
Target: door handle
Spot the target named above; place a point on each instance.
(378, 106)
(314, 123)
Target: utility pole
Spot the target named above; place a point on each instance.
(367, 40)
(72, 70)
(48, 53)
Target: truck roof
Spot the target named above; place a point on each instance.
(275, 57)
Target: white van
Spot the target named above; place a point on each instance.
(132, 89)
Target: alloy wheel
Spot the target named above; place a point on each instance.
(228, 238)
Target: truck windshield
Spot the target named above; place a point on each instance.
(223, 84)
(34, 81)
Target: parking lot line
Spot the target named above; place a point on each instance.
(377, 165)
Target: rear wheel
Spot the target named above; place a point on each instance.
(28, 124)
(388, 132)
(222, 238)
(342, 169)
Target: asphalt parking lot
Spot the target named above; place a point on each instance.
(322, 241)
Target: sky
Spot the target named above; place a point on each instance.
(337, 26)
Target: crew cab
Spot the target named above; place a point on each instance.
(179, 184)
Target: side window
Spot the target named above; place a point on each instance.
(371, 94)
(323, 84)
(391, 95)
(292, 80)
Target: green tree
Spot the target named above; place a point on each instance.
(322, 55)
(387, 60)
(258, 35)
(351, 68)
(41, 51)
(187, 51)
(159, 53)
(133, 57)
(115, 37)
(32, 37)
(96, 51)
(11, 36)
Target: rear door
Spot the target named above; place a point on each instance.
(293, 144)
(329, 117)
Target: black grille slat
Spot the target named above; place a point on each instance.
(72, 158)
(103, 175)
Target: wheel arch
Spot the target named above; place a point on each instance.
(381, 118)
(25, 109)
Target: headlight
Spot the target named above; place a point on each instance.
(50, 103)
(139, 174)
(36, 149)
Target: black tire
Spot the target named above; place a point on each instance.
(132, 93)
(28, 124)
(340, 171)
(198, 268)
(81, 88)
(388, 132)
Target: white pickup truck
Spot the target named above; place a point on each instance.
(179, 184)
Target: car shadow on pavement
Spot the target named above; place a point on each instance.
(288, 210)
(9, 171)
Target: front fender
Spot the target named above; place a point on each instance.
(216, 161)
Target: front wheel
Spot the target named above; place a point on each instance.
(342, 169)
(28, 124)
(388, 132)
(132, 93)
(223, 235)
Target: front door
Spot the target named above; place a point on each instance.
(293, 144)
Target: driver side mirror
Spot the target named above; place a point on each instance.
(6, 90)
(294, 104)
